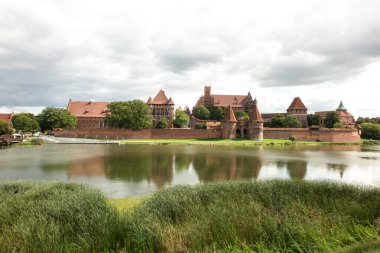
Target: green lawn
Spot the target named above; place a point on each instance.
(227, 142)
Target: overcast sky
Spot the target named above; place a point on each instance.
(322, 51)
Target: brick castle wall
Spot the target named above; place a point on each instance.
(301, 134)
(305, 134)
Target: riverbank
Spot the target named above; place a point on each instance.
(234, 142)
(260, 216)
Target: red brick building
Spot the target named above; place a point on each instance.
(7, 118)
(237, 102)
(161, 106)
(89, 114)
(346, 118)
(299, 110)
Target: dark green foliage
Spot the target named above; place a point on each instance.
(370, 131)
(181, 119)
(291, 138)
(163, 123)
(37, 141)
(283, 121)
(291, 122)
(313, 120)
(133, 114)
(56, 217)
(201, 112)
(241, 115)
(200, 126)
(368, 120)
(25, 122)
(338, 125)
(216, 113)
(263, 216)
(331, 119)
(51, 118)
(5, 128)
(277, 120)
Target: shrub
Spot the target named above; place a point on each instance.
(181, 119)
(291, 138)
(56, 217)
(370, 131)
(338, 125)
(163, 123)
(200, 126)
(201, 112)
(37, 141)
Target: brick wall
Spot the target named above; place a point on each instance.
(106, 133)
(304, 134)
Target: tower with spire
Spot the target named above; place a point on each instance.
(255, 124)
(229, 124)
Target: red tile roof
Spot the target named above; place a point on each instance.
(226, 100)
(340, 113)
(255, 114)
(230, 115)
(297, 104)
(7, 117)
(87, 109)
(160, 99)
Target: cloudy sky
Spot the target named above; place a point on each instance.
(322, 51)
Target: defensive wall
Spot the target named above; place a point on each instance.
(304, 134)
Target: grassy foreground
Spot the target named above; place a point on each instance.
(245, 216)
(228, 142)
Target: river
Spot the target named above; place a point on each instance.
(135, 170)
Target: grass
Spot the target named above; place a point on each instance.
(240, 216)
(31, 142)
(228, 142)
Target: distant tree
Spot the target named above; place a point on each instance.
(51, 118)
(181, 119)
(133, 114)
(163, 123)
(5, 128)
(200, 126)
(331, 119)
(370, 131)
(25, 122)
(367, 120)
(338, 125)
(313, 119)
(216, 113)
(277, 120)
(201, 112)
(241, 115)
(291, 122)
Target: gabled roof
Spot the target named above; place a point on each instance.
(227, 100)
(297, 104)
(160, 98)
(87, 108)
(255, 114)
(7, 117)
(230, 115)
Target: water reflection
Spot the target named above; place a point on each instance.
(140, 169)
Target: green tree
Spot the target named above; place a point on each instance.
(313, 119)
(278, 120)
(5, 128)
(181, 119)
(200, 126)
(25, 122)
(51, 118)
(133, 114)
(370, 131)
(338, 125)
(331, 119)
(201, 112)
(292, 122)
(163, 123)
(216, 113)
(241, 115)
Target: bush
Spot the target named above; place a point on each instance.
(200, 126)
(338, 125)
(201, 112)
(264, 216)
(56, 217)
(163, 123)
(370, 131)
(291, 138)
(181, 119)
(37, 141)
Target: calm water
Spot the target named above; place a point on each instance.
(131, 170)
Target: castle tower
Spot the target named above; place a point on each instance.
(229, 124)
(255, 123)
(208, 99)
(298, 109)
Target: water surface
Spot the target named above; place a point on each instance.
(132, 170)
